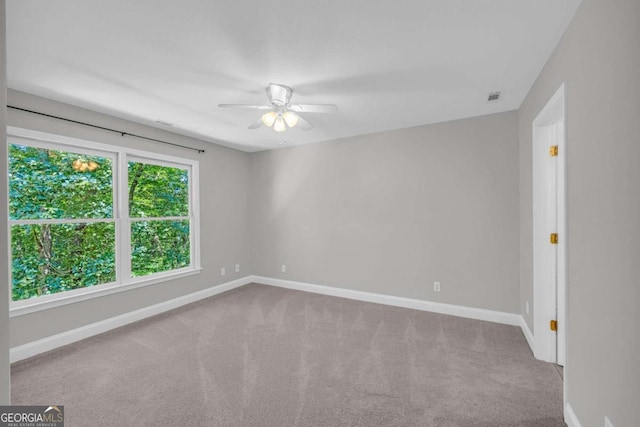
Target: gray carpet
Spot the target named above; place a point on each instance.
(264, 356)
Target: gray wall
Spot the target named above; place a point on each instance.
(393, 212)
(599, 60)
(5, 384)
(224, 178)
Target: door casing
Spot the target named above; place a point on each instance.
(549, 295)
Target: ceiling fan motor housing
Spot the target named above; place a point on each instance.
(279, 95)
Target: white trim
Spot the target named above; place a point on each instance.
(45, 302)
(570, 417)
(416, 304)
(49, 343)
(527, 333)
(159, 218)
(549, 215)
(194, 213)
(137, 158)
(13, 222)
(562, 231)
(123, 229)
(36, 139)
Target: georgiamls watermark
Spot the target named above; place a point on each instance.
(32, 416)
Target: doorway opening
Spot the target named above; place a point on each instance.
(550, 231)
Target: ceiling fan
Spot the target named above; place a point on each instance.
(282, 114)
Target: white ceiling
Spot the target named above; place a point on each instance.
(386, 64)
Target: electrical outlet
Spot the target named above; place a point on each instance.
(526, 307)
(607, 422)
(237, 268)
(222, 271)
(436, 286)
(284, 268)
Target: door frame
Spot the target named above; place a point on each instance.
(547, 300)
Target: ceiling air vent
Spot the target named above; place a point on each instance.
(494, 96)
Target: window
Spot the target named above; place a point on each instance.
(62, 226)
(159, 217)
(87, 217)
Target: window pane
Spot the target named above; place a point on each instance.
(159, 246)
(52, 258)
(52, 184)
(157, 191)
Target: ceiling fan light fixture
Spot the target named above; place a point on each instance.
(279, 125)
(281, 114)
(269, 118)
(290, 118)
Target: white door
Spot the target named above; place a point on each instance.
(549, 231)
(561, 247)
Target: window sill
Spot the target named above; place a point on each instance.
(57, 300)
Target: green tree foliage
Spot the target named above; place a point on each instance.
(50, 184)
(159, 246)
(51, 256)
(156, 192)
(47, 184)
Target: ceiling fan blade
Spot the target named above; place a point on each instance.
(252, 107)
(313, 108)
(256, 124)
(303, 124)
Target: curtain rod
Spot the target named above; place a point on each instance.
(199, 150)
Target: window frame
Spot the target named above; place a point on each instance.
(126, 229)
(120, 156)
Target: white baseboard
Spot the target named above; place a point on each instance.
(527, 333)
(435, 307)
(570, 417)
(49, 343)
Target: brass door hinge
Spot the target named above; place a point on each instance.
(553, 238)
(553, 151)
(553, 325)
